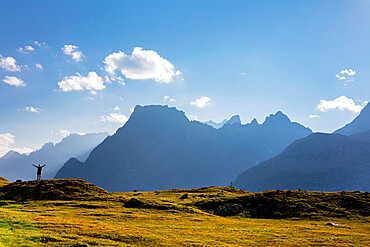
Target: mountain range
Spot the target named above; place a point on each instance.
(232, 120)
(327, 162)
(159, 148)
(14, 165)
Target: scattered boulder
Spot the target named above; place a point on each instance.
(230, 209)
(184, 196)
(18, 181)
(134, 203)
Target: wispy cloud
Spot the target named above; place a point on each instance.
(346, 75)
(14, 81)
(26, 49)
(30, 109)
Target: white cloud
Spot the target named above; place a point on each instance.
(141, 65)
(201, 102)
(120, 80)
(107, 79)
(63, 133)
(26, 49)
(31, 109)
(116, 108)
(341, 103)
(313, 116)
(6, 140)
(14, 81)
(39, 66)
(114, 118)
(38, 43)
(78, 82)
(168, 98)
(193, 118)
(73, 51)
(243, 73)
(89, 98)
(9, 64)
(346, 75)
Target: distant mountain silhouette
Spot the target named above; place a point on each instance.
(19, 166)
(319, 162)
(360, 124)
(234, 119)
(159, 148)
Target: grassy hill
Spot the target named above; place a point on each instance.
(3, 181)
(66, 212)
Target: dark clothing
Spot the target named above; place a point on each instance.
(39, 168)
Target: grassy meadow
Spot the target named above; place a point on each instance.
(88, 215)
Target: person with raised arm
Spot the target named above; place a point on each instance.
(39, 168)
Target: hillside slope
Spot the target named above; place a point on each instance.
(323, 162)
(360, 124)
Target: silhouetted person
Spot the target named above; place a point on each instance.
(39, 168)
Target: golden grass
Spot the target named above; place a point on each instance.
(177, 223)
(3, 181)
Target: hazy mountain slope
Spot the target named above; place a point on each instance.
(325, 162)
(159, 148)
(19, 166)
(232, 120)
(360, 124)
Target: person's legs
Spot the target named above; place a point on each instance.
(38, 176)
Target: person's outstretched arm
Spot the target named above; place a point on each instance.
(34, 165)
(43, 165)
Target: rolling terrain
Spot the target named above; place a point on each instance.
(86, 214)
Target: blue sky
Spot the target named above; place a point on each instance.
(309, 59)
